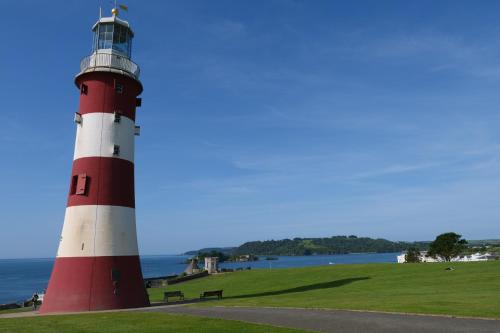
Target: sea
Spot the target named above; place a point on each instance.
(20, 278)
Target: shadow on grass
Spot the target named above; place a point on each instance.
(309, 287)
(182, 302)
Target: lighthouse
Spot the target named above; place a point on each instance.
(97, 265)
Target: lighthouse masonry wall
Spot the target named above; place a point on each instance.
(97, 265)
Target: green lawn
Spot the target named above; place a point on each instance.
(25, 309)
(124, 322)
(472, 289)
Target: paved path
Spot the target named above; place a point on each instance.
(334, 321)
(341, 321)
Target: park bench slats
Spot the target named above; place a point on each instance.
(210, 293)
(176, 293)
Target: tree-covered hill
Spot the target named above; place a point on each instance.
(329, 245)
(225, 250)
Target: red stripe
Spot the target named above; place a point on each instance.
(86, 284)
(110, 181)
(100, 95)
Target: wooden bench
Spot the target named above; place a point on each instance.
(209, 293)
(176, 293)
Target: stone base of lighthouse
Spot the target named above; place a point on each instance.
(87, 284)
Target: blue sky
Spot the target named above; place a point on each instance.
(266, 120)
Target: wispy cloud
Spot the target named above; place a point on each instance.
(442, 52)
(397, 169)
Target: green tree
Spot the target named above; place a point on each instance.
(447, 245)
(412, 255)
(222, 257)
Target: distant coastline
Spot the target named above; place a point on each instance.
(315, 246)
(326, 246)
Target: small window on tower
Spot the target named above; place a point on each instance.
(118, 116)
(83, 89)
(116, 150)
(78, 118)
(79, 184)
(74, 180)
(115, 275)
(119, 88)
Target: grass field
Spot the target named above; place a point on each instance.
(472, 289)
(124, 322)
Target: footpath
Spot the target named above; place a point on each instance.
(339, 321)
(329, 321)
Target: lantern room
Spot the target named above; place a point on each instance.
(111, 48)
(112, 35)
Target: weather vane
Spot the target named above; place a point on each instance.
(114, 10)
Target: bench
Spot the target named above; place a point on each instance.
(209, 293)
(176, 293)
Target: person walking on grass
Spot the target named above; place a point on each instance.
(34, 299)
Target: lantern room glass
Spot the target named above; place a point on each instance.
(113, 36)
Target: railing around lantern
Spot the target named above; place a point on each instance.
(109, 60)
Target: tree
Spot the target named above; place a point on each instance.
(447, 245)
(412, 255)
(222, 257)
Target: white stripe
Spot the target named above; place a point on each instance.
(98, 133)
(114, 233)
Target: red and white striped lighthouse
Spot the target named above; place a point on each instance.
(97, 265)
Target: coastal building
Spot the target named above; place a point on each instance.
(97, 265)
(211, 264)
(192, 267)
(424, 257)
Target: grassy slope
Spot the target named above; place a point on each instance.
(26, 309)
(132, 322)
(472, 289)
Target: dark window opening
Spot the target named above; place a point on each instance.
(74, 181)
(118, 116)
(116, 150)
(119, 88)
(115, 275)
(138, 101)
(83, 89)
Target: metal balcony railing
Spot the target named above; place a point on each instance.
(109, 60)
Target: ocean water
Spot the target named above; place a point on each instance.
(20, 278)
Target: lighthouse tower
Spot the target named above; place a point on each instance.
(97, 265)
